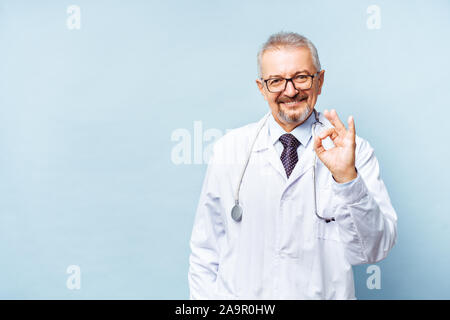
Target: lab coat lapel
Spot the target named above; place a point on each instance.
(305, 162)
(268, 152)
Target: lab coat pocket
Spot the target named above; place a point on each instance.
(327, 231)
(324, 230)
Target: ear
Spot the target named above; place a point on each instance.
(261, 88)
(321, 80)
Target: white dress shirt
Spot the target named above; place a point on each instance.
(302, 133)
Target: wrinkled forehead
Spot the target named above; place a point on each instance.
(286, 61)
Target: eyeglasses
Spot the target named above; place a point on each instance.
(300, 82)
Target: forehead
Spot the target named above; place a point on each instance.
(286, 61)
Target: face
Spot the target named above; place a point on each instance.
(290, 107)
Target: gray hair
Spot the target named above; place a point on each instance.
(288, 39)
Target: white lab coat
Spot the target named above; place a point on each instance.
(280, 249)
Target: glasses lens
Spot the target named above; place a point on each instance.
(276, 85)
(302, 82)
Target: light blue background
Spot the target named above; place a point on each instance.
(86, 118)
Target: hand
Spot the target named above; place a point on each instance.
(340, 160)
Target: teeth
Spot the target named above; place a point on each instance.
(294, 102)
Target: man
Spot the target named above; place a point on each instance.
(302, 226)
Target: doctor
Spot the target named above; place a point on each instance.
(300, 227)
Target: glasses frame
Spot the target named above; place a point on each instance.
(290, 79)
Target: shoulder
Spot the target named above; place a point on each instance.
(236, 138)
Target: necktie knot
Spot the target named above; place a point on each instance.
(289, 140)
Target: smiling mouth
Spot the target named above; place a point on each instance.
(294, 103)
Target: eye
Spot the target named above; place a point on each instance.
(274, 81)
(301, 77)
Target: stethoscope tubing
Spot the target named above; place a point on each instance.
(237, 211)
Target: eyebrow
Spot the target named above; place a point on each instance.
(278, 76)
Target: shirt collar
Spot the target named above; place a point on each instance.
(302, 132)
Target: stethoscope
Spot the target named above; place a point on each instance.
(236, 212)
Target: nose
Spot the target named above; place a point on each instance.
(290, 90)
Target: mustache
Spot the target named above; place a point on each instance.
(295, 98)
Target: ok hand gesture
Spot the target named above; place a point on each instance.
(340, 160)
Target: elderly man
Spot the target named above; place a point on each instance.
(290, 214)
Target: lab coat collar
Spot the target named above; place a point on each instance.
(264, 144)
(302, 132)
(263, 140)
(266, 139)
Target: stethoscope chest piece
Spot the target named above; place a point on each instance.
(236, 213)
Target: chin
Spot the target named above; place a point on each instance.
(294, 116)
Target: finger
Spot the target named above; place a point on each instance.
(330, 132)
(334, 119)
(351, 127)
(318, 147)
(337, 123)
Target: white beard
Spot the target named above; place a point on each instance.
(295, 119)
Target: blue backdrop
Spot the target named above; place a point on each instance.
(106, 108)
